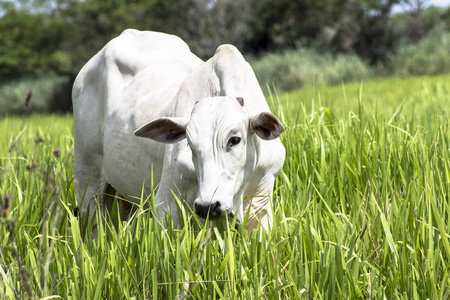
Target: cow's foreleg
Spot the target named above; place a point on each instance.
(258, 202)
(90, 189)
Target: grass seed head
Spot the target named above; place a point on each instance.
(2, 173)
(12, 147)
(32, 167)
(38, 140)
(5, 203)
(28, 100)
(57, 152)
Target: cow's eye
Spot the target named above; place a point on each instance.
(233, 141)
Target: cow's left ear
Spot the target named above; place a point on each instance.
(266, 126)
(164, 130)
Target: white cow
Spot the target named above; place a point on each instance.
(146, 108)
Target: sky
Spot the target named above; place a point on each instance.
(440, 3)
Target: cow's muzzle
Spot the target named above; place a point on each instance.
(213, 210)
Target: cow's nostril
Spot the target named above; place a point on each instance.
(203, 210)
(215, 210)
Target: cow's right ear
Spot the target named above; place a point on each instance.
(164, 130)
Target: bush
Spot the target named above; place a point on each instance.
(428, 57)
(292, 69)
(50, 94)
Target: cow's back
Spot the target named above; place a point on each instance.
(144, 56)
(128, 80)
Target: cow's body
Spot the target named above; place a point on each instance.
(142, 76)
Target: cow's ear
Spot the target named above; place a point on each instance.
(266, 126)
(164, 130)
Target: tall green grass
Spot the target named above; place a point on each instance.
(361, 210)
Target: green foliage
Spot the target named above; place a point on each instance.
(361, 28)
(361, 209)
(404, 26)
(429, 56)
(294, 69)
(31, 46)
(50, 94)
(39, 36)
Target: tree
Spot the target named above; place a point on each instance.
(30, 45)
(361, 28)
(416, 8)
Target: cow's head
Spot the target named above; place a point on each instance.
(221, 135)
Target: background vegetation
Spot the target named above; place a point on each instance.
(362, 203)
(361, 210)
(289, 43)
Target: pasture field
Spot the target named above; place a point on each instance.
(361, 210)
